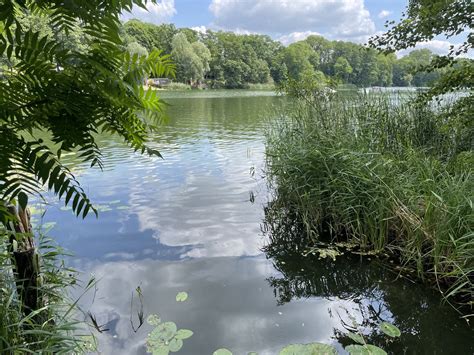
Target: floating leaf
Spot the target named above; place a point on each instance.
(114, 202)
(222, 351)
(364, 350)
(357, 338)
(181, 297)
(66, 208)
(390, 330)
(184, 334)
(175, 345)
(123, 207)
(164, 332)
(153, 319)
(252, 353)
(162, 350)
(308, 349)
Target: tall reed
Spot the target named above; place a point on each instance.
(383, 172)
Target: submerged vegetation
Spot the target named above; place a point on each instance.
(383, 174)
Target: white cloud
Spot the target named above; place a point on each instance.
(200, 29)
(157, 13)
(341, 19)
(436, 46)
(384, 13)
(296, 36)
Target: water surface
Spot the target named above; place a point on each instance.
(193, 222)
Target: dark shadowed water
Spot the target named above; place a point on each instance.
(192, 222)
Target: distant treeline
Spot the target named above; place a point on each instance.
(230, 60)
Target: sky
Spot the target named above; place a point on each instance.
(286, 20)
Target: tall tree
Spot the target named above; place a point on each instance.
(342, 68)
(192, 60)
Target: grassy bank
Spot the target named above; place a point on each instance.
(51, 329)
(384, 176)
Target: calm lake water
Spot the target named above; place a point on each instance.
(193, 222)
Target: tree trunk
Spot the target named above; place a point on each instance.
(25, 259)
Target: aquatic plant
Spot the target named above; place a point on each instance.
(166, 337)
(378, 172)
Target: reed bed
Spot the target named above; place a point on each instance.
(384, 173)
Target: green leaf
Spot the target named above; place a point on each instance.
(364, 350)
(175, 344)
(308, 349)
(164, 332)
(153, 319)
(184, 334)
(181, 296)
(222, 351)
(390, 329)
(357, 338)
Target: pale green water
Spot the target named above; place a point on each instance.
(192, 222)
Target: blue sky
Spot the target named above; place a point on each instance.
(285, 20)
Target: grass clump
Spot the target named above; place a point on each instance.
(383, 173)
(51, 329)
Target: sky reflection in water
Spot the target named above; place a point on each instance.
(186, 223)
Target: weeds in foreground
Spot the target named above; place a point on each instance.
(52, 329)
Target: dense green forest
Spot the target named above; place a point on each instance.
(230, 60)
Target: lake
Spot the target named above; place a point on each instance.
(194, 222)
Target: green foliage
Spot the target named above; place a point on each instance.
(222, 351)
(390, 329)
(69, 91)
(192, 60)
(165, 337)
(238, 60)
(422, 21)
(381, 173)
(181, 296)
(57, 333)
(364, 350)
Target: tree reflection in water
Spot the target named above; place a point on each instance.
(362, 294)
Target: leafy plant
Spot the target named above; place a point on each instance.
(165, 337)
(181, 296)
(71, 95)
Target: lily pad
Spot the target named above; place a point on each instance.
(364, 350)
(308, 349)
(164, 332)
(181, 296)
(357, 338)
(184, 334)
(153, 319)
(222, 351)
(175, 345)
(390, 330)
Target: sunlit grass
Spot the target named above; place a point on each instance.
(385, 173)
